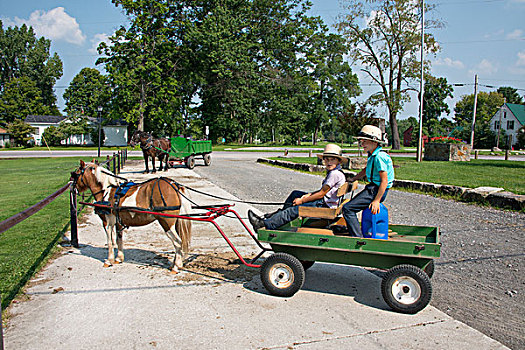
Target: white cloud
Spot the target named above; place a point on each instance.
(96, 40)
(516, 34)
(449, 62)
(54, 24)
(485, 67)
(521, 59)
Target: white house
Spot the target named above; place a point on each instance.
(41, 123)
(115, 132)
(5, 138)
(510, 118)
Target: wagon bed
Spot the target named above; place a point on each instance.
(186, 150)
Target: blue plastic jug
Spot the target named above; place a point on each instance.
(375, 226)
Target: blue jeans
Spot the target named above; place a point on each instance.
(289, 211)
(358, 203)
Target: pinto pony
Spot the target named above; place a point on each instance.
(151, 148)
(159, 195)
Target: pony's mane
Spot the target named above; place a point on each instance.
(103, 177)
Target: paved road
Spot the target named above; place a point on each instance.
(479, 280)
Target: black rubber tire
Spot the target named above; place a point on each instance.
(429, 270)
(190, 162)
(406, 289)
(307, 264)
(207, 159)
(282, 274)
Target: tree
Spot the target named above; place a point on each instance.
(21, 132)
(20, 98)
(87, 91)
(487, 105)
(436, 92)
(387, 46)
(23, 55)
(511, 94)
(355, 117)
(53, 136)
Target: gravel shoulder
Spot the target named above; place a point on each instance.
(479, 279)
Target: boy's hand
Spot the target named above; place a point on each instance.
(374, 207)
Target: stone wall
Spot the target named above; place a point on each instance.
(447, 152)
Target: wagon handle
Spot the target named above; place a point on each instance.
(360, 243)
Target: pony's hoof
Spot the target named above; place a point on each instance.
(174, 272)
(107, 263)
(117, 261)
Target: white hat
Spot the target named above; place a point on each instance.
(372, 133)
(333, 150)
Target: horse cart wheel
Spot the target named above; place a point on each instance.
(207, 159)
(406, 289)
(190, 162)
(307, 264)
(282, 274)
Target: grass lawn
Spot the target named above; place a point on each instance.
(476, 173)
(26, 246)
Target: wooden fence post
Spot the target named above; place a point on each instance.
(115, 171)
(507, 152)
(73, 214)
(476, 152)
(118, 161)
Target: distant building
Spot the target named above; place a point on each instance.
(5, 138)
(510, 118)
(41, 123)
(115, 132)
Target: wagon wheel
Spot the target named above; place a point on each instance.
(282, 274)
(429, 270)
(307, 264)
(406, 289)
(207, 159)
(190, 162)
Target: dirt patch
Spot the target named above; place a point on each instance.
(224, 266)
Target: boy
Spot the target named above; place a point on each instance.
(379, 171)
(326, 197)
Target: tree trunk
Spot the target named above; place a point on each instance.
(396, 144)
(140, 123)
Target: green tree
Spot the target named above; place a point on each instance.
(386, 39)
(355, 117)
(140, 65)
(487, 105)
(511, 94)
(23, 55)
(436, 92)
(21, 132)
(53, 136)
(87, 91)
(74, 125)
(20, 98)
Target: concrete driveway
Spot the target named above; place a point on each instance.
(215, 303)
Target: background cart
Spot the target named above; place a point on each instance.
(186, 150)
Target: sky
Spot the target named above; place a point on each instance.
(481, 37)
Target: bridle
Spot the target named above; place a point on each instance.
(77, 177)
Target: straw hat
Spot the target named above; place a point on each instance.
(372, 133)
(333, 150)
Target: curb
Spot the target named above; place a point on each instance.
(503, 200)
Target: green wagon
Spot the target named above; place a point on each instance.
(186, 150)
(407, 256)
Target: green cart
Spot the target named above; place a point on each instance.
(186, 150)
(407, 256)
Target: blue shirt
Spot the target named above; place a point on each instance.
(381, 161)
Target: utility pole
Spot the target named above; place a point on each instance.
(99, 128)
(422, 86)
(474, 112)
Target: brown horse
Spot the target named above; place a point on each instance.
(161, 194)
(151, 147)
